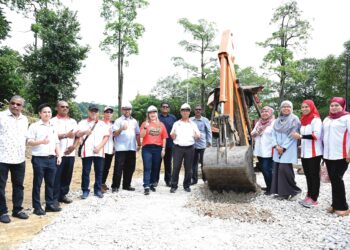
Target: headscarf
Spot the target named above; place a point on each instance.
(342, 103)
(307, 119)
(286, 124)
(262, 124)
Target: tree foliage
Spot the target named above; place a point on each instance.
(202, 42)
(291, 34)
(54, 66)
(121, 33)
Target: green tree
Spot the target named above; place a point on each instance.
(4, 25)
(291, 34)
(12, 76)
(203, 35)
(140, 105)
(121, 34)
(54, 66)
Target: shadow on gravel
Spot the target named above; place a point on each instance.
(229, 205)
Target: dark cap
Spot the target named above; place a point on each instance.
(93, 107)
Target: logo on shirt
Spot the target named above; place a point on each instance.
(154, 131)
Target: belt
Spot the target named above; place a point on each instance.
(184, 146)
(45, 157)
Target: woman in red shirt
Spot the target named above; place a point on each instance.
(153, 134)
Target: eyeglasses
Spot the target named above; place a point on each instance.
(165, 107)
(62, 107)
(16, 104)
(185, 110)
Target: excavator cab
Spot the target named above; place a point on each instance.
(228, 165)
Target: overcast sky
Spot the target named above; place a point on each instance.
(247, 19)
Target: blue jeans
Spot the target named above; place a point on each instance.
(151, 157)
(98, 168)
(43, 168)
(266, 168)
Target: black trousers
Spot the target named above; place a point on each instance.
(336, 170)
(17, 177)
(197, 158)
(182, 154)
(311, 168)
(63, 177)
(106, 166)
(125, 162)
(43, 168)
(167, 159)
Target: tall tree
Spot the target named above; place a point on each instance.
(54, 66)
(121, 34)
(291, 34)
(4, 25)
(203, 35)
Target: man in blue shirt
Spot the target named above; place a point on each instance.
(200, 145)
(168, 120)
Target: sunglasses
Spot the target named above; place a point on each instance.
(16, 104)
(185, 110)
(62, 107)
(108, 112)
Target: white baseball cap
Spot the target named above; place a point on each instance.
(185, 106)
(152, 109)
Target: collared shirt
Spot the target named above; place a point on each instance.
(168, 122)
(95, 138)
(109, 146)
(263, 143)
(185, 132)
(312, 147)
(12, 137)
(203, 125)
(126, 140)
(64, 126)
(39, 131)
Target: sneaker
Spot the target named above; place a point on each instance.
(187, 189)
(99, 194)
(4, 218)
(173, 190)
(85, 195)
(309, 203)
(114, 190)
(20, 215)
(146, 191)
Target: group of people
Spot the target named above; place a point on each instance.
(54, 142)
(276, 147)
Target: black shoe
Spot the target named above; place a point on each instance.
(155, 184)
(264, 188)
(267, 193)
(66, 200)
(167, 184)
(114, 190)
(39, 211)
(146, 191)
(193, 182)
(153, 188)
(5, 218)
(20, 215)
(187, 189)
(129, 189)
(52, 209)
(173, 190)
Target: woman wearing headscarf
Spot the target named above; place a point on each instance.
(153, 134)
(311, 150)
(285, 153)
(262, 133)
(336, 153)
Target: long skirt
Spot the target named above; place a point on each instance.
(283, 180)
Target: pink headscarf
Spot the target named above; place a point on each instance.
(262, 124)
(342, 103)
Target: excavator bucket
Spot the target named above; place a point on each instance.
(228, 165)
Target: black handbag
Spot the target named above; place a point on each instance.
(81, 145)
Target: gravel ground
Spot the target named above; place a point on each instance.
(199, 220)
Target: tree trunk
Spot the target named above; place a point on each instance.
(203, 101)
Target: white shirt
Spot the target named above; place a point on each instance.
(94, 139)
(312, 148)
(264, 143)
(109, 146)
(185, 132)
(64, 126)
(12, 137)
(336, 139)
(126, 140)
(39, 131)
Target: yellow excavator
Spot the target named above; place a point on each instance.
(228, 164)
